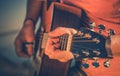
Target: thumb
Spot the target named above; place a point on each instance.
(27, 48)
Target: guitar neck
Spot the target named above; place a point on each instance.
(86, 44)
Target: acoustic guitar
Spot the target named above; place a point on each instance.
(84, 45)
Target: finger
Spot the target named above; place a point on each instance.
(62, 30)
(18, 48)
(53, 53)
(54, 40)
(29, 49)
(52, 44)
(49, 47)
(56, 46)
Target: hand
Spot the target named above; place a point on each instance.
(26, 35)
(61, 55)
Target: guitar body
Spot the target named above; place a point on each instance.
(62, 16)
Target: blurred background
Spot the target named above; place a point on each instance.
(12, 13)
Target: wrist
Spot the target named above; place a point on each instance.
(29, 22)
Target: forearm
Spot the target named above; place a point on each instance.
(34, 9)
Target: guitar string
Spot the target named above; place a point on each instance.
(65, 41)
(60, 42)
(74, 47)
(76, 40)
(62, 35)
(64, 38)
